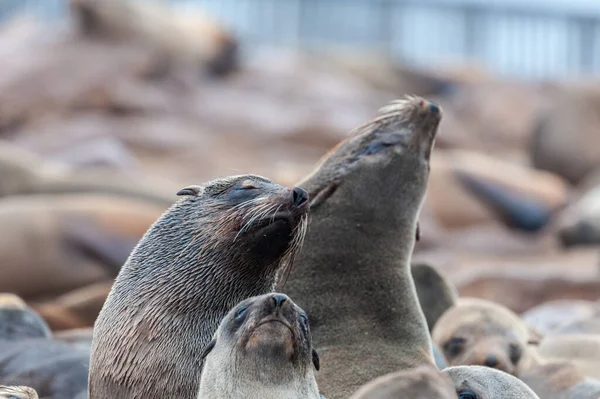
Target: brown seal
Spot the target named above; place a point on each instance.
(353, 276)
(561, 380)
(479, 382)
(478, 332)
(583, 350)
(79, 239)
(436, 293)
(30, 357)
(179, 37)
(424, 382)
(18, 321)
(269, 333)
(17, 392)
(223, 242)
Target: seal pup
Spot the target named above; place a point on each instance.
(480, 382)
(221, 243)
(423, 382)
(583, 350)
(261, 350)
(30, 357)
(561, 380)
(353, 276)
(17, 392)
(478, 332)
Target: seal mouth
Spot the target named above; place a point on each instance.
(267, 221)
(275, 320)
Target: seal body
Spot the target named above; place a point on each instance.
(262, 350)
(31, 358)
(353, 276)
(424, 382)
(223, 242)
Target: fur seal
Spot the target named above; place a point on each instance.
(353, 276)
(181, 37)
(478, 332)
(19, 321)
(30, 357)
(79, 239)
(17, 392)
(221, 243)
(479, 382)
(24, 172)
(436, 293)
(583, 350)
(262, 349)
(579, 224)
(424, 382)
(561, 380)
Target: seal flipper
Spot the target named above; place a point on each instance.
(514, 210)
(111, 249)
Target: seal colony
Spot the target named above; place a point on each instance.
(353, 276)
(262, 350)
(223, 242)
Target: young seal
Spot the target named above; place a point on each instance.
(223, 242)
(479, 382)
(561, 380)
(17, 392)
(30, 357)
(424, 382)
(262, 350)
(478, 332)
(353, 276)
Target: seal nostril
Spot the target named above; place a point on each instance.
(490, 361)
(299, 196)
(434, 108)
(279, 299)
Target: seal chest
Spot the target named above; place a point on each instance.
(221, 243)
(261, 350)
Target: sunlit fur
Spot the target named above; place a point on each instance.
(198, 260)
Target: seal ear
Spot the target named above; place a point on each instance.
(208, 348)
(190, 190)
(315, 359)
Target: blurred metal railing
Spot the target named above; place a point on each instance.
(530, 39)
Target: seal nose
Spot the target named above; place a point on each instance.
(490, 361)
(434, 108)
(279, 299)
(299, 196)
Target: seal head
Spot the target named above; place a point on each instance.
(262, 349)
(222, 242)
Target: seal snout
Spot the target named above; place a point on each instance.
(278, 299)
(299, 197)
(434, 108)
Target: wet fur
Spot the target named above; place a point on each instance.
(194, 264)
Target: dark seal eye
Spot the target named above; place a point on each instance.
(466, 395)
(454, 346)
(515, 353)
(240, 312)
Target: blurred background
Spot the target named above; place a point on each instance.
(108, 108)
